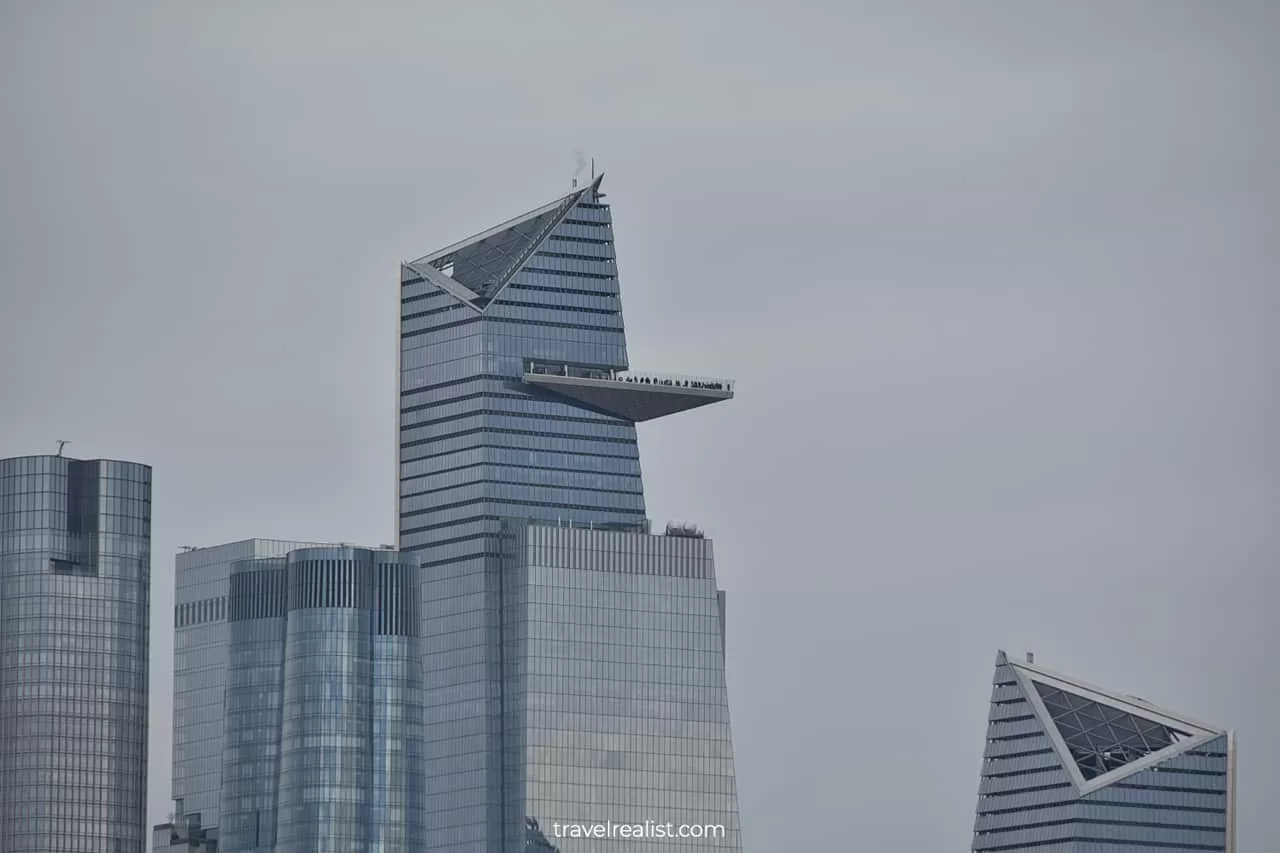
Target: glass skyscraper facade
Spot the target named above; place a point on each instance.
(324, 705)
(298, 700)
(575, 662)
(1072, 768)
(200, 656)
(75, 579)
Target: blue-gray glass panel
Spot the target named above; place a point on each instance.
(74, 636)
(478, 446)
(1027, 801)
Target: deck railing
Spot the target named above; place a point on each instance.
(670, 380)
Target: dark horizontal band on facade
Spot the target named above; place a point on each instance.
(457, 540)
(527, 396)
(591, 489)
(496, 377)
(514, 414)
(1032, 771)
(497, 395)
(577, 238)
(543, 288)
(598, 276)
(543, 324)
(471, 317)
(509, 502)
(639, 519)
(576, 309)
(1086, 821)
(1017, 736)
(576, 452)
(532, 288)
(1072, 799)
(546, 253)
(453, 302)
(518, 467)
(498, 431)
(1163, 770)
(1024, 754)
(426, 312)
(1115, 842)
(1030, 789)
(471, 519)
(506, 380)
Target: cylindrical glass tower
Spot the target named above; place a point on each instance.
(75, 576)
(324, 703)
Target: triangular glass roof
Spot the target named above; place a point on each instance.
(1102, 738)
(485, 266)
(478, 268)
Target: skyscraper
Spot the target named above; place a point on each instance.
(1072, 768)
(75, 582)
(575, 665)
(298, 700)
(200, 654)
(324, 705)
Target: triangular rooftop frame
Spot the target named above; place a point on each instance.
(1028, 674)
(429, 267)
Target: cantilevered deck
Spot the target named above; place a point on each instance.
(634, 396)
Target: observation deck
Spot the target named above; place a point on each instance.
(631, 395)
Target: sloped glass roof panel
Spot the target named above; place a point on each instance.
(1102, 738)
(485, 266)
(485, 263)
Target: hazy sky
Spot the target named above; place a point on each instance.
(997, 280)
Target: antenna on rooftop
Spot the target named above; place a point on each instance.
(187, 549)
(61, 444)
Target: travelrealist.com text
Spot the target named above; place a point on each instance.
(648, 829)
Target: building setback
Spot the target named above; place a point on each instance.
(1072, 768)
(75, 575)
(575, 662)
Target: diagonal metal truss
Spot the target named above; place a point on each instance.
(1102, 738)
(516, 260)
(483, 267)
(476, 270)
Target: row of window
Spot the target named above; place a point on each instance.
(506, 385)
(420, 298)
(587, 230)
(74, 521)
(585, 211)
(530, 423)
(124, 498)
(82, 469)
(559, 349)
(199, 612)
(462, 369)
(92, 668)
(512, 404)
(493, 455)
(103, 542)
(518, 440)
(529, 319)
(549, 496)
(550, 477)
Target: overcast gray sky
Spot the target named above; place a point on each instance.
(998, 282)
